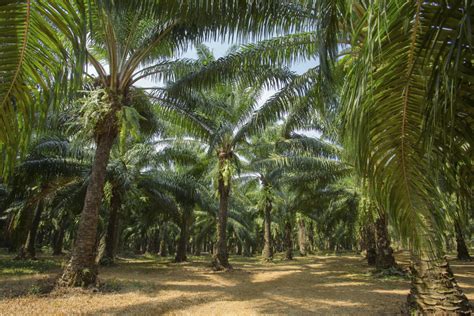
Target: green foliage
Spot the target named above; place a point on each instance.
(25, 267)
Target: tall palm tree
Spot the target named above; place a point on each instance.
(395, 126)
(218, 117)
(130, 41)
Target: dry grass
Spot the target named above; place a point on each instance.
(148, 286)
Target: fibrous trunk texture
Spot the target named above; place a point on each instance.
(302, 237)
(112, 227)
(288, 241)
(434, 289)
(369, 243)
(463, 252)
(82, 269)
(267, 252)
(183, 235)
(221, 258)
(384, 257)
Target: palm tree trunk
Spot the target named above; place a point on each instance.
(163, 243)
(302, 237)
(19, 234)
(82, 268)
(31, 240)
(288, 241)
(434, 289)
(58, 239)
(369, 243)
(247, 248)
(384, 257)
(267, 236)
(112, 227)
(311, 237)
(222, 256)
(183, 235)
(463, 252)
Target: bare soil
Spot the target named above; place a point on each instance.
(324, 285)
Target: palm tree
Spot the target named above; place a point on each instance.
(263, 181)
(51, 166)
(135, 40)
(396, 126)
(401, 74)
(218, 117)
(138, 41)
(43, 53)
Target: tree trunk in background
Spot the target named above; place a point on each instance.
(239, 248)
(302, 237)
(222, 256)
(312, 248)
(434, 289)
(58, 239)
(163, 244)
(112, 227)
(82, 269)
(154, 246)
(183, 235)
(288, 241)
(267, 252)
(19, 234)
(197, 248)
(247, 251)
(384, 257)
(31, 241)
(463, 252)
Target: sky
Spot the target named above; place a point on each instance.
(219, 49)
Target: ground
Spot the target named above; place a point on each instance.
(324, 284)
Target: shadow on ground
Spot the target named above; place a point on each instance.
(311, 285)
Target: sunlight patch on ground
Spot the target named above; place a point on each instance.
(394, 291)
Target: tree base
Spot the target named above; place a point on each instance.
(219, 266)
(434, 290)
(79, 277)
(107, 261)
(180, 259)
(465, 258)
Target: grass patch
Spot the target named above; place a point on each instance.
(116, 285)
(25, 267)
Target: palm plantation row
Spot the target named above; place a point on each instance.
(199, 162)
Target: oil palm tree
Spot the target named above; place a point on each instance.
(395, 129)
(218, 118)
(396, 126)
(52, 165)
(134, 40)
(43, 52)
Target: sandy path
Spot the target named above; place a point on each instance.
(314, 285)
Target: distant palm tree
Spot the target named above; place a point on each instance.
(400, 73)
(218, 117)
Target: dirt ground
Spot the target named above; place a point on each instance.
(325, 285)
